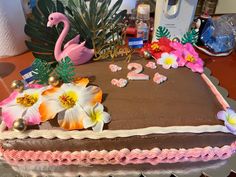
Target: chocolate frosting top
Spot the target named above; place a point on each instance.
(183, 100)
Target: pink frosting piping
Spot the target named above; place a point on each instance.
(215, 92)
(122, 157)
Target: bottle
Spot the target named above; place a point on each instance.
(143, 21)
(209, 6)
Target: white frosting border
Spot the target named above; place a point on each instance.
(110, 134)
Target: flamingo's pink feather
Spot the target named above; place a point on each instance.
(78, 53)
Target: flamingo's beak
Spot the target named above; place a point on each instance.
(49, 24)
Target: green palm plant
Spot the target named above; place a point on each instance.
(95, 22)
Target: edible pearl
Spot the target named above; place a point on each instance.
(147, 54)
(176, 39)
(19, 125)
(53, 81)
(17, 85)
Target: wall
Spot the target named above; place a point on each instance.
(226, 6)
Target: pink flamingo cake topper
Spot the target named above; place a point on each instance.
(78, 53)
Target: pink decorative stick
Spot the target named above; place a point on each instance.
(136, 73)
(214, 90)
(158, 78)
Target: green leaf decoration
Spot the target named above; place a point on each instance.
(95, 21)
(65, 70)
(41, 71)
(190, 37)
(162, 32)
(43, 39)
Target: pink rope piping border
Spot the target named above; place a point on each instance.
(214, 90)
(121, 157)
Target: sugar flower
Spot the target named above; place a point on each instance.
(114, 68)
(96, 118)
(151, 65)
(159, 78)
(192, 59)
(119, 82)
(68, 101)
(229, 118)
(22, 105)
(158, 47)
(167, 61)
(187, 56)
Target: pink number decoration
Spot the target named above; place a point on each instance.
(136, 73)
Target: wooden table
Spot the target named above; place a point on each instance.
(9, 71)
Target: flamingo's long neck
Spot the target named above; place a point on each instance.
(57, 49)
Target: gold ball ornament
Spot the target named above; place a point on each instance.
(19, 125)
(18, 85)
(176, 39)
(53, 81)
(147, 54)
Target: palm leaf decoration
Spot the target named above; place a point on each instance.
(190, 37)
(96, 23)
(162, 32)
(41, 71)
(65, 70)
(43, 39)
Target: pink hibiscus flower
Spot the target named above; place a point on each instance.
(187, 56)
(22, 105)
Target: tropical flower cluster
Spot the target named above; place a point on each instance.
(158, 47)
(167, 53)
(76, 106)
(187, 56)
(229, 118)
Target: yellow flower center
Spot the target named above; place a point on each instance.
(27, 100)
(168, 61)
(68, 99)
(155, 47)
(96, 117)
(231, 120)
(190, 58)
